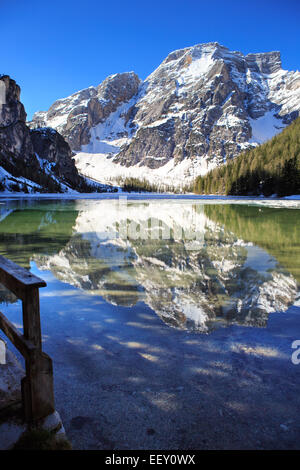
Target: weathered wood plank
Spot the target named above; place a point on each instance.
(31, 317)
(18, 279)
(37, 387)
(22, 344)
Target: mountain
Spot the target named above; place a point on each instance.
(76, 115)
(199, 109)
(271, 168)
(37, 160)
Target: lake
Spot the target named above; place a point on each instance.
(197, 266)
(137, 288)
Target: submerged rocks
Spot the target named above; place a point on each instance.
(11, 373)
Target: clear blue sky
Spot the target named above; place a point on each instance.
(54, 48)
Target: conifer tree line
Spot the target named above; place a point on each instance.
(271, 168)
(130, 184)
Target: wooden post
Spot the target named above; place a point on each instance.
(37, 386)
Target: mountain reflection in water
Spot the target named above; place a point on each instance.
(197, 266)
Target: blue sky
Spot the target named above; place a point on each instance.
(55, 48)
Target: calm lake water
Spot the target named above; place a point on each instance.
(197, 266)
(158, 317)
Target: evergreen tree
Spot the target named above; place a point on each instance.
(271, 168)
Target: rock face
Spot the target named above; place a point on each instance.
(16, 148)
(201, 107)
(56, 155)
(76, 115)
(31, 160)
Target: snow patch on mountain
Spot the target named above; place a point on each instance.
(265, 127)
(108, 137)
(102, 168)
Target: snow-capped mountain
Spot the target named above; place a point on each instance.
(201, 107)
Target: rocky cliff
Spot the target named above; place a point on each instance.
(31, 160)
(54, 153)
(76, 115)
(200, 108)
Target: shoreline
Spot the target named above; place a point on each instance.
(150, 195)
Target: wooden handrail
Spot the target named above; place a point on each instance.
(37, 386)
(17, 279)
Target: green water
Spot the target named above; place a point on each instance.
(197, 266)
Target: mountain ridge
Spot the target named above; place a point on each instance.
(201, 107)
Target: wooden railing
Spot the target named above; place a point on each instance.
(37, 385)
